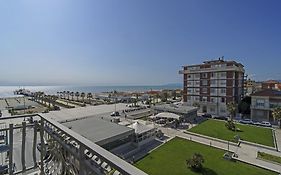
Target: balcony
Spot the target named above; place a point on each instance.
(63, 151)
(261, 107)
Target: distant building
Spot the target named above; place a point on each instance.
(185, 112)
(271, 84)
(263, 102)
(212, 85)
(251, 86)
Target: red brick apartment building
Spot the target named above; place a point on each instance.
(213, 84)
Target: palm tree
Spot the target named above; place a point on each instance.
(67, 93)
(77, 94)
(83, 96)
(174, 94)
(164, 96)
(72, 95)
(48, 98)
(64, 93)
(150, 100)
(157, 97)
(53, 99)
(89, 97)
(232, 108)
(276, 113)
(41, 96)
(136, 99)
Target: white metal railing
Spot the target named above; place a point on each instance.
(66, 153)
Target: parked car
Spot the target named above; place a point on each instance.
(56, 108)
(257, 123)
(221, 118)
(265, 124)
(115, 114)
(207, 115)
(246, 121)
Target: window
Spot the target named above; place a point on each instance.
(222, 99)
(204, 99)
(213, 90)
(189, 76)
(212, 109)
(213, 82)
(222, 110)
(223, 74)
(204, 75)
(197, 75)
(204, 82)
(223, 82)
(223, 90)
(213, 99)
(204, 90)
(260, 102)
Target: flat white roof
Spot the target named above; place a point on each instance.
(167, 115)
(141, 128)
(98, 130)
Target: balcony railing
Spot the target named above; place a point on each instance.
(217, 69)
(61, 150)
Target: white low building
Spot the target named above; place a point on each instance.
(144, 133)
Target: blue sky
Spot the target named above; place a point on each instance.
(133, 42)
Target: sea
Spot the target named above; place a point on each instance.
(8, 91)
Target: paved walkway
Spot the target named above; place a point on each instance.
(278, 138)
(246, 153)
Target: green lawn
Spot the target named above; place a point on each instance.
(269, 157)
(170, 159)
(217, 129)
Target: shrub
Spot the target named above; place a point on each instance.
(196, 162)
(230, 125)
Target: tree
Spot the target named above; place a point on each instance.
(276, 113)
(174, 94)
(77, 94)
(64, 93)
(72, 95)
(230, 125)
(164, 97)
(89, 97)
(244, 106)
(196, 162)
(67, 93)
(83, 96)
(157, 97)
(48, 98)
(232, 108)
(136, 99)
(54, 99)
